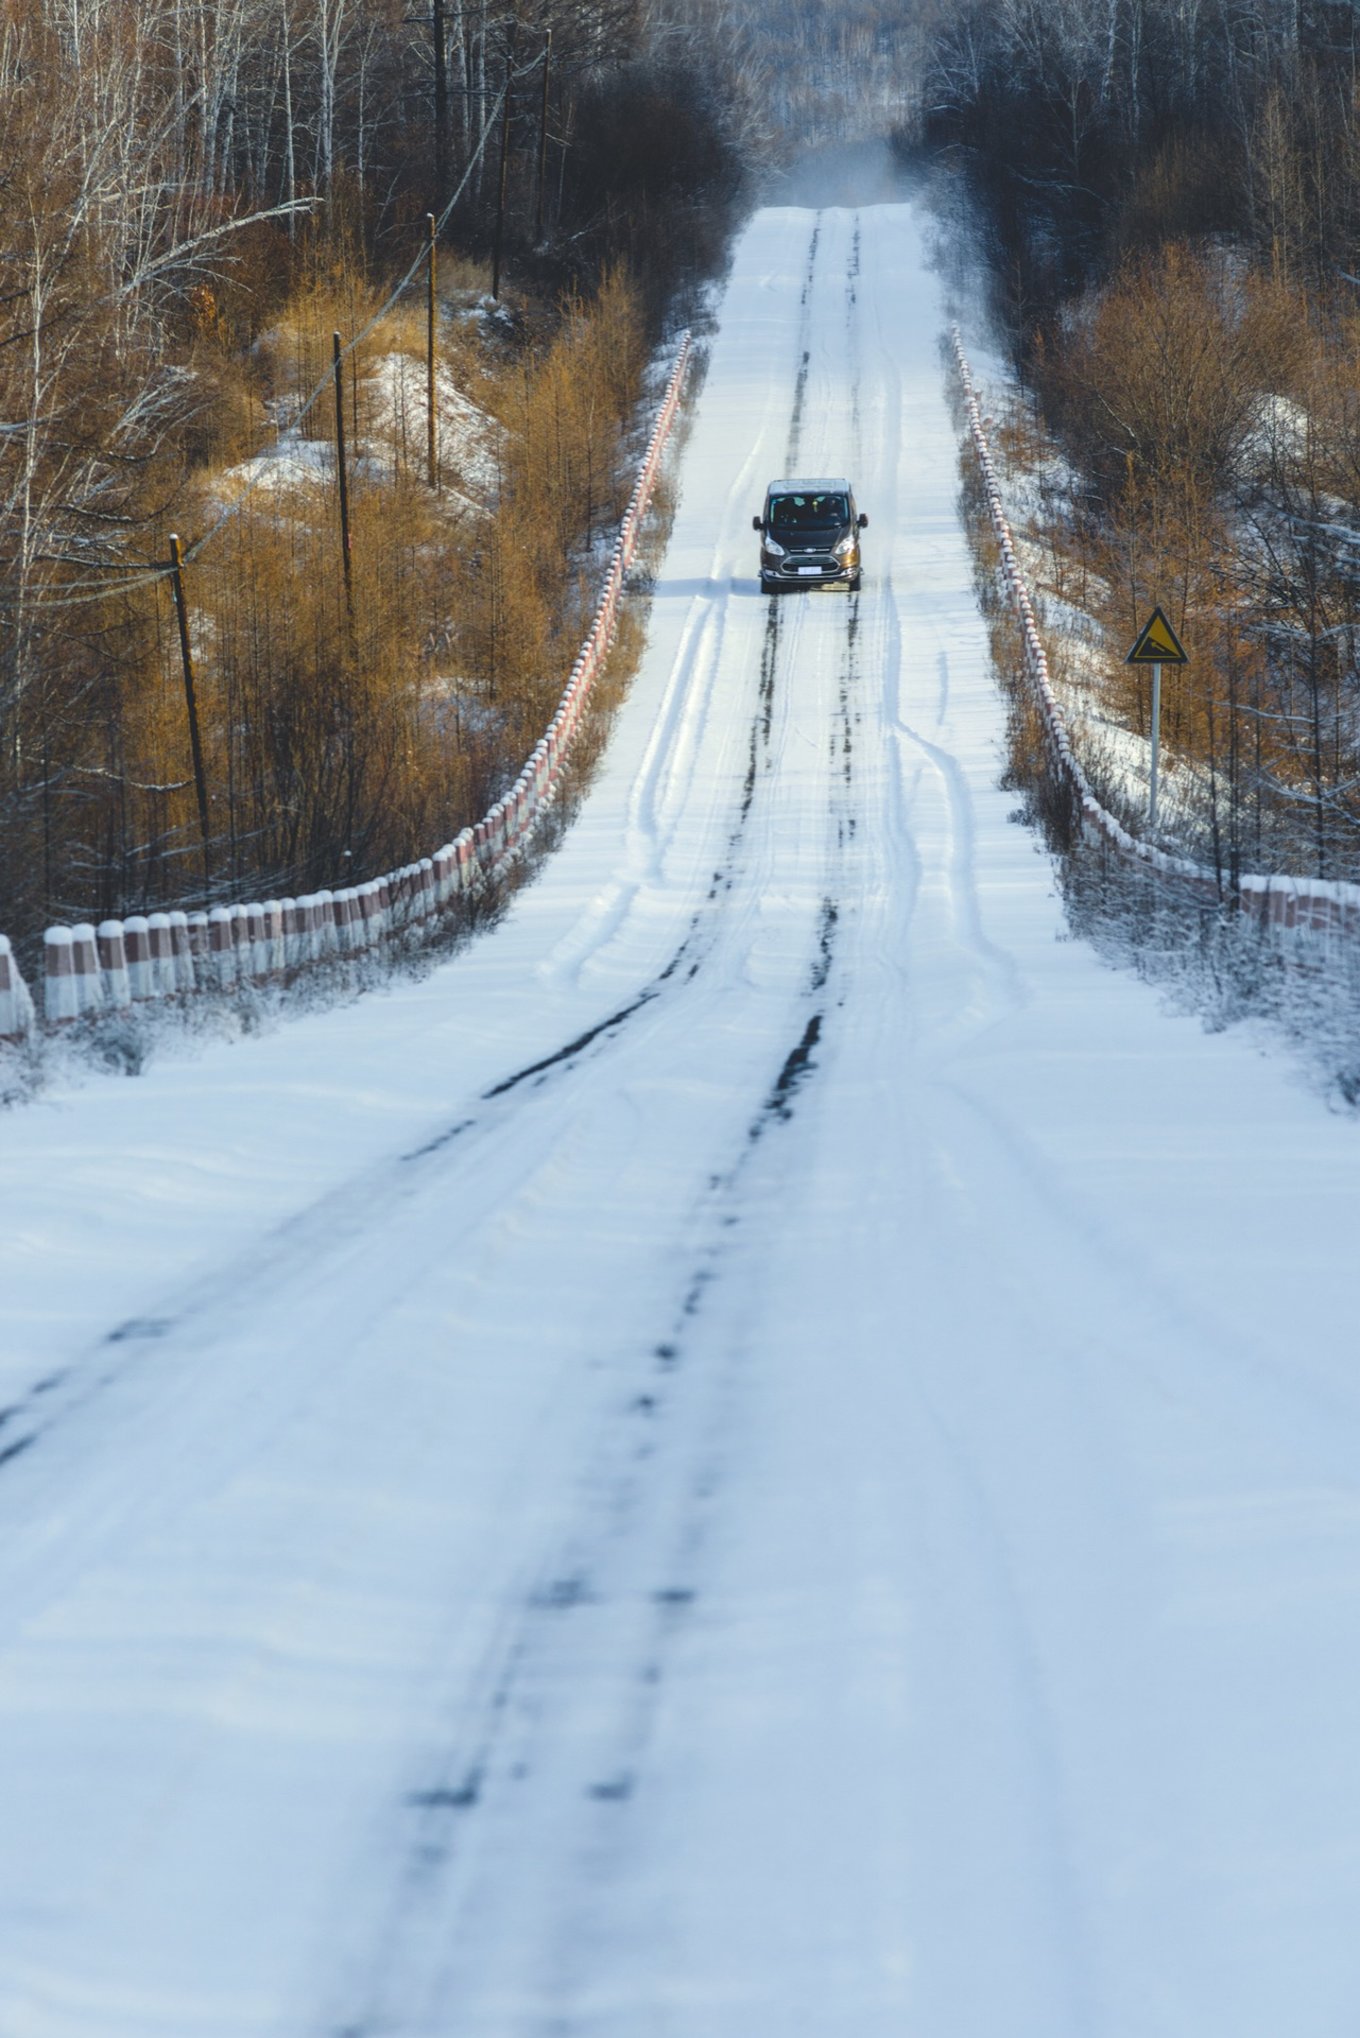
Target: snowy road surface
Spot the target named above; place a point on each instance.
(770, 1453)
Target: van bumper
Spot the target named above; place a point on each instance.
(776, 574)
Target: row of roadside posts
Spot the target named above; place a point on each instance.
(1157, 645)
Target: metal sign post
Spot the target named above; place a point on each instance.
(1157, 645)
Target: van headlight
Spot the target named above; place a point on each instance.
(775, 551)
(847, 548)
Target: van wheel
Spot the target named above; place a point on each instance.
(854, 584)
(766, 586)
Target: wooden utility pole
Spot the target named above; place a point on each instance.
(441, 103)
(543, 139)
(431, 433)
(191, 704)
(500, 189)
(343, 476)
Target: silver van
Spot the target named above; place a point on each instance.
(809, 535)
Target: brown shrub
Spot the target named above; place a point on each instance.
(1163, 369)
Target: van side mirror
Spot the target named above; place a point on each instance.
(757, 523)
(863, 521)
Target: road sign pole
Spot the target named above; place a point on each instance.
(1157, 645)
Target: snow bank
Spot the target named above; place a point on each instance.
(468, 439)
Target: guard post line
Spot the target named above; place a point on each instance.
(1157, 645)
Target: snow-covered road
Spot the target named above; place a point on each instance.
(769, 1453)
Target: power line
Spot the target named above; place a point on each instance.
(149, 575)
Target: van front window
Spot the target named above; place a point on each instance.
(808, 512)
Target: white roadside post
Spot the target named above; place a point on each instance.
(1157, 645)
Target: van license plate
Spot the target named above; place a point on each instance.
(809, 569)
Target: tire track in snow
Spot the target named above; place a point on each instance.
(723, 1221)
(901, 824)
(759, 752)
(508, 1752)
(994, 965)
(804, 354)
(630, 1567)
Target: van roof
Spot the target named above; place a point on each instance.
(835, 484)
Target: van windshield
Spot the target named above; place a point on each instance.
(808, 512)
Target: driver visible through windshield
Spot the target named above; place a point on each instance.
(808, 512)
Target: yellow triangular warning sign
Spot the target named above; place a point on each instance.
(1157, 644)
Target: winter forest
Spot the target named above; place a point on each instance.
(1170, 198)
(197, 197)
(200, 194)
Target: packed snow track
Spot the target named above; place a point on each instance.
(769, 1453)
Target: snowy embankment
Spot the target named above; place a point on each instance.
(772, 1449)
(394, 394)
